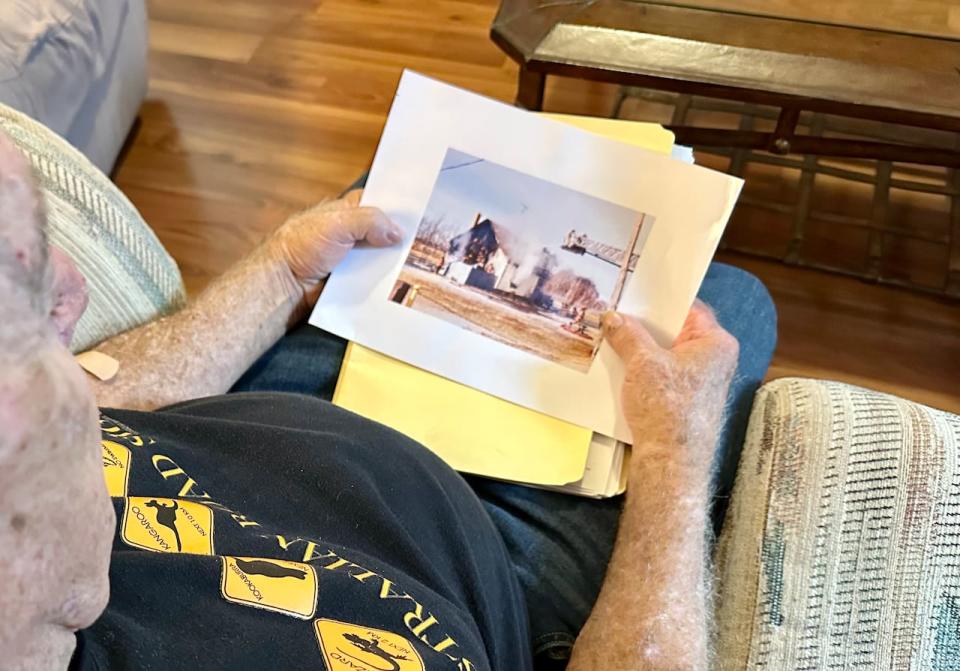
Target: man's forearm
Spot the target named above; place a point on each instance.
(203, 349)
(652, 611)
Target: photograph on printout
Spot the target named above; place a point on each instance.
(520, 260)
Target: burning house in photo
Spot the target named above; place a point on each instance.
(488, 256)
(527, 278)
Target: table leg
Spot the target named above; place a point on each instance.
(878, 219)
(953, 262)
(530, 86)
(786, 129)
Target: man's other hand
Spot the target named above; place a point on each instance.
(313, 242)
(675, 396)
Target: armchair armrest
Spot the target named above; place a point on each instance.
(841, 548)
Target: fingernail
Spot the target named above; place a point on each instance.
(612, 321)
(394, 233)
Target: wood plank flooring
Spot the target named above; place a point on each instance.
(258, 108)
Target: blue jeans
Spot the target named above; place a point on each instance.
(560, 544)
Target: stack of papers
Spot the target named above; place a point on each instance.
(526, 447)
(448, 372)
(605, 473)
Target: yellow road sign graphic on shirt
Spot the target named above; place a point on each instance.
(168, 525)
(357, 648)
(116, 467)
(282, 586)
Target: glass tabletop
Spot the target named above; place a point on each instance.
(936, 18)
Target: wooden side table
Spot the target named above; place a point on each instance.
(887, 62)
(725, 49)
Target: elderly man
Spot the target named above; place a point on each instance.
(262, 529)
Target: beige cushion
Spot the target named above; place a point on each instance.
(841, 548)
(132, 279)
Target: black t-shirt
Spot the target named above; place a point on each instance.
(259, 531)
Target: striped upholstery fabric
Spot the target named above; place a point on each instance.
(131, 277)
(841, 549)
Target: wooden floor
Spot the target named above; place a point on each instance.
(260, 107)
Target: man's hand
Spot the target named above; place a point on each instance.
(313, 242)
(205, 348)
(652, 611)
(674, 396)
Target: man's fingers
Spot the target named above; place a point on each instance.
(626, 335)
(352, 199)
(366, 223)
(700, 321)
(702, 334)
(701, 315)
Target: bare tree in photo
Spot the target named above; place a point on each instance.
(431, 243)
(434, 232)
